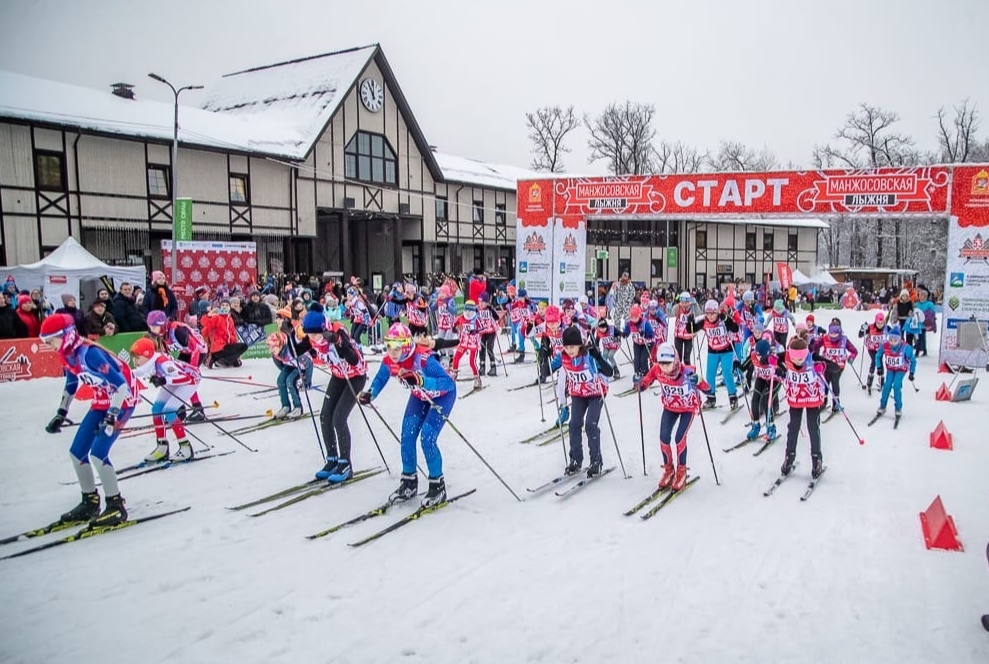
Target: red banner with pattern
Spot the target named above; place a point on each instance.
(210, 264)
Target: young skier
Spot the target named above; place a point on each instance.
(873, 336)
(581, 371)
(417, 314)
(805, 392)
(332, 344)
(171, 336)
(684, 327)
(550, 335)
(432, 398)
(836, 351)
(898, 358)
(446, 313)
(680, 396)
(656, 318)
(469, 327)
(642, 334)
(178, 382)
(359, 315)
(489, 328)
(779, 321)
(519, 315)
(284, 357)
(719, 326)
(114, 397)
(610, 341)
(768, 379)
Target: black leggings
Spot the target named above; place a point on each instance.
(337, 404)
(813, 430)
(684, 348)
(585, 412)
(487, 345)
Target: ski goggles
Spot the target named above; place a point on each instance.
(399, 343)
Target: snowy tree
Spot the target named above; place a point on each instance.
(622, 135)
(957, 137)
(678, 158)
(735, 156)
(548, 127)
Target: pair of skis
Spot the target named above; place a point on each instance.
(571, 490)
(86, 532)
(296, 494)
(875, 418)
(782, 478)
(762, 448)
(665, 496)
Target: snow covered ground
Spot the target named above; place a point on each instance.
(723, 575)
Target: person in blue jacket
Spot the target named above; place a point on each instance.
(432, 398)
(898, 359)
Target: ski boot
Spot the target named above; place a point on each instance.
(513, 348)
(594, 469)
(477, 382)
(114, 514)
(493, 371)
(159, 453)
(787, 466)
(436, 493)
(185, 452)
(482, 368)
(520, 358)
(816, 466)
(753, 431)
(406, 490)
(562, 417)
(667, 479)
(281, 413)
(710, 402)
(770, 431)
(733, 402)
(197, 414)
(679, 478)
(835, 407)
(343, 472)
(868, 384)
(881, 411)
(85, 510)
(328, 469)
(618, 374)
(574, 466)
(294, 414)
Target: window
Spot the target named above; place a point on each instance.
(442, 210)
(369, 158)
(791, 242)
(477, 212)
(750, 278)
(479, 258)
(656, 271)
(700, 238)
(158, 181)
(49, 171)
(500, 215)
(700, 280)
(767, 241)
(239, 192)
(750, 240)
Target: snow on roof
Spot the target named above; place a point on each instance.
(483, 174)
(300, 94)
(789, 222)
(41, 100)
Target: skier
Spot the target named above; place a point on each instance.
(551, 341)
(469, 327)
(446, 313)
(114, 397)
(171, 336)
(519, 314)
(836, 351)
(898, 358)
(581, 371)
(719, 326)
(417, 313)
(288, 376)
(873, 336)
(489, 328)
(684, 327)
(610, 342)
(642, 334)
(432, 399)
(178, 382)
(751, 323)
(805, 391)
(656, 318)
(359, 315)
(768, 379)
(332, 344)
(779, 321)
(680, 396)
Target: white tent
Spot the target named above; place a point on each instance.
(799, 278)
(823, 278)
(62, 270)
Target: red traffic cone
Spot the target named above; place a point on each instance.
(944, 368)
(943, 393)
(939, 528)
(940, 438)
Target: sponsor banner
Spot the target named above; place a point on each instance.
(966, 290)
(24, 359)
(569, 257)
(888, 190)
(534, 255)
(785, 274)
(210, 264)
(182, 224)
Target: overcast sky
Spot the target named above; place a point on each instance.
(776, 73)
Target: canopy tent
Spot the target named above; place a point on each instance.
(61, 271)
(819, 278)
(799, 278)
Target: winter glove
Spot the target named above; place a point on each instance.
(595, 353)
(55, 426)
(773, 360)
(157, 381)
(364, 398)
(910, 377)
(108, 424)
(563, 417)
(410, 378)
(332, 337)
(736, 365)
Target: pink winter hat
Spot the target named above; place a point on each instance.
(156, 275)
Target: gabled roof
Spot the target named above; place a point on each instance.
(483, 174)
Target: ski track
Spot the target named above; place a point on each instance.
(721, 575)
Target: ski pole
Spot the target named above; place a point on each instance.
(861, 440)
(446, 419)
(915, 388)
(222, 430)
(215, 404)
(206, 446)
(559, 426)
(237, 381)
(709, 453)
(858, 376)
(642, 436)
(539, 388)
(607, 414)
(366, 421)
(501, 354)
(245, 394)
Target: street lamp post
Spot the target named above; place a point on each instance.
(175, 165)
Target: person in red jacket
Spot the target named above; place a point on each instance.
(225, 348)
(805, 392)
(477, 285)
(26, 312)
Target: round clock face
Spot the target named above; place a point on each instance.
(372, 95)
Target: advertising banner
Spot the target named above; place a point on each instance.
(24, 359)
(966, 289)
(534, 247)
(569, 257)
(210, 264)
(182, 223)
(785, 274)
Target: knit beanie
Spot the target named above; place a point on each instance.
(571, 337)
(66, 297)
(315, 320)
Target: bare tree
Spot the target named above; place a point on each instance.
(622, 135)
(548, 126)
(678, 158)
(735, 156)
(958, 140)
